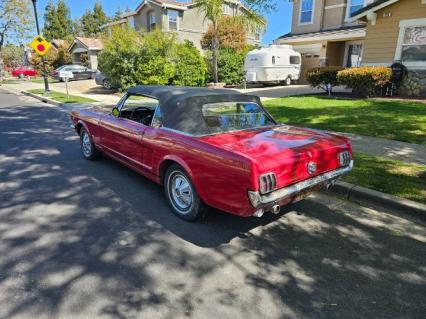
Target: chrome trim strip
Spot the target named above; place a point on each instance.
(257, 200)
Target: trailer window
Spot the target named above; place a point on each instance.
(273, 59)
(294, 59)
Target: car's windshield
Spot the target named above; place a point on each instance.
(229, 116)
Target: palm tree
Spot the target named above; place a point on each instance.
(213, 11)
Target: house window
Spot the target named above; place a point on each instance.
(152, 21)
(173, 19)
(413, 48)
(227, 9)
(354, 6)
(306, 11)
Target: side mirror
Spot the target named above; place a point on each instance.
(115, 111)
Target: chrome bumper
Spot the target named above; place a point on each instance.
(258, 200)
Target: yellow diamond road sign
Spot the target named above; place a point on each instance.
(40, 45)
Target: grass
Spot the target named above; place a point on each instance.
(389, 176)
(62, 97)
(8, 81)
(395, 120)
(41, 80)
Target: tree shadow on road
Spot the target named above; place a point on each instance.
(94, 238)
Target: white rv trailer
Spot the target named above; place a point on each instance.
(273, 64)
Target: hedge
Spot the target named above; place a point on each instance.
(365, 81)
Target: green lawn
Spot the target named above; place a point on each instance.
(389, 176)
(403, 121)
(41, 80)
(62, 97)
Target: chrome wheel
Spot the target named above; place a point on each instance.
(86, 145)
(180, 191)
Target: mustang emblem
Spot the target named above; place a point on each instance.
(312, 167)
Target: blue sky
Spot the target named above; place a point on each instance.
(279, 22)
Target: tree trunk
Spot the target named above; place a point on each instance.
(215, 53)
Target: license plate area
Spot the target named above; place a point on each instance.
(306, 192)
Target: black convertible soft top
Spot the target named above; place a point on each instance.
(181, 107)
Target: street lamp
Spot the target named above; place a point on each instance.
(43, 61)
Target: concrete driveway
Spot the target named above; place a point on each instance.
(81, 239)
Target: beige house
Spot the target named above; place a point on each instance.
(324, 34)
(90, 46)
(181, 18)
(396, 31)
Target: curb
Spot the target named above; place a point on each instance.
(357, 193)
(41, 98)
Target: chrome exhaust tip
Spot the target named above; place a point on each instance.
(275, 209)
(258, 213)
(330, 185)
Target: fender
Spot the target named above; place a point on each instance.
(182, 163)
(83, 124)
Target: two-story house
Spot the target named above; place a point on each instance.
(322, 32)
(180, 17)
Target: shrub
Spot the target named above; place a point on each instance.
(231, 65)
(320, 77)
(129, 58)
(190, 66)
(365, 80)
(54, 59)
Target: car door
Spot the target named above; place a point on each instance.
(122, 136)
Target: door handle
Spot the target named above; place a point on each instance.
(140, 132)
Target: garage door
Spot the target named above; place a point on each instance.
(309, 61)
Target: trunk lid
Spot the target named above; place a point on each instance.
(285, 150)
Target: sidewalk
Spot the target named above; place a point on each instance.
(396, 150)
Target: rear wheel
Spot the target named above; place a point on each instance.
(88, 149)
(106, 84)
(288, 81)
(181, 194)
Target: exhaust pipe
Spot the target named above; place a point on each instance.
(275, 209)
(330, 185)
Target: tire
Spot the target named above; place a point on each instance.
(288, 81)
(106, 84)
(88, 149)
(181, 194)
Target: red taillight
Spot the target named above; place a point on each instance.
(267, 183)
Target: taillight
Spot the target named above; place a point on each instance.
(267, 183)
(344, 158)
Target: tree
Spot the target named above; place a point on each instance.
(213, 11)
(91, 21)
(15, 20)
(13, 55)
(54, 59)
(57, 21)
(231, 35)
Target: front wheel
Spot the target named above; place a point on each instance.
(106, 84)
(181, 194)
(88, 149)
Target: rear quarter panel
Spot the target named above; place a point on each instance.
(222, 178)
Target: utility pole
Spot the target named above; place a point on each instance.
(43, 61)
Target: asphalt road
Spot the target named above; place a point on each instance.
(82, 239)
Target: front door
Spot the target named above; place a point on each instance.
(354, 55)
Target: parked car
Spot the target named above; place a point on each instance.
(79, 72)
(103, 80)
(24, 71)
(273, 64)
(213, 148)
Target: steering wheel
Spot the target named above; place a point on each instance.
(139, 108)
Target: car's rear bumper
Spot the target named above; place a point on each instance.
(258, 200)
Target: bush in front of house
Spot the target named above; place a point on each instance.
(190, 66)
(322, 76)
(130, 58)
(231, 65)
(366, 81)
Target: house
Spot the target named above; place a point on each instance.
(323, 33)
(396, 31)
(181, 18)
(89, 46)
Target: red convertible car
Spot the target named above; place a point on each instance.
(213, 148)
(23, 71)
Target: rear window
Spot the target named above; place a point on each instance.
(294, 59)
(230, 116)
